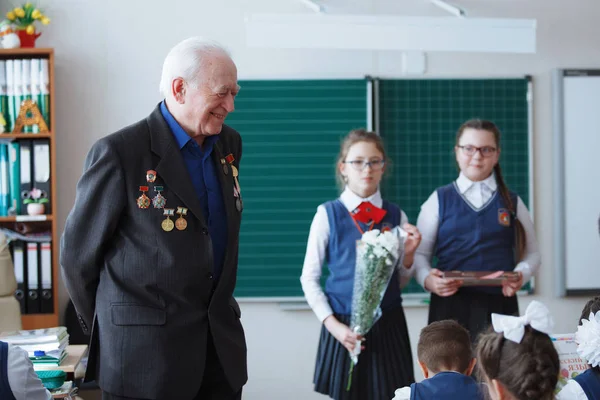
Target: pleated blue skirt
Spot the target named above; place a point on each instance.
(384, 365)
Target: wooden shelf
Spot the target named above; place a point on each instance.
(37, 321)
(27, 218)
(13, 136)
(25, 52)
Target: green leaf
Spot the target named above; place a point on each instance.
(44, 200)
(28, 201)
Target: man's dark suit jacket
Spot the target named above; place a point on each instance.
(148, 296)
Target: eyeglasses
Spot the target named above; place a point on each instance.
(359, 165)
(485, 151)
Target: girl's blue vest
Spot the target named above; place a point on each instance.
(341, 256)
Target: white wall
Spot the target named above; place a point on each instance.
(108, 59)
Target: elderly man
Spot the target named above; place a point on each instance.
(150, 249)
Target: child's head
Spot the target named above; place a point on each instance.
(477, 149)
(525, 370)
(588, 333)
(445, 346)
(361, 162)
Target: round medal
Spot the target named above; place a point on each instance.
(181, 223)
(167, 225)
(238, 204)
(225, 169)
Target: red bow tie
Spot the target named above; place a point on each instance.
(367, 212)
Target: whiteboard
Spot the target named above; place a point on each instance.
(576, 99)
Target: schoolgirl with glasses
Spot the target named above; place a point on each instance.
(475, 224)
(385, 363)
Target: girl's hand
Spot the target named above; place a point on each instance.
(511, 287)
(342, 333)
(442, 287)
(411, 242)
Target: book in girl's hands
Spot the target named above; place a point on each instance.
(482, 278)
(571, 364)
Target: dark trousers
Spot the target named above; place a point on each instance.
(214, 382)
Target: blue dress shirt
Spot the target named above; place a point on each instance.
(206, 184)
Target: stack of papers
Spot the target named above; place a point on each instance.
(44, 346)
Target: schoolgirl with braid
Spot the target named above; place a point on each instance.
(517, 359)
(475, 224)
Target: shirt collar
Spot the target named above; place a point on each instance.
(465, 183)
(351, 200)
(181, 137)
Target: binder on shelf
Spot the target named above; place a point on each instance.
(33, 281)
(47, 298)
(3, 98)
(44, 98)
(11, 116)
(14, 172)
(26, 86)
(41, 169)
(26, 178)
(35, 87)
(18, 255)
(18, 87)
(4, 180)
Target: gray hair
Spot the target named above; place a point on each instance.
(186, 60)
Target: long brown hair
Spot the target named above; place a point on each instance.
(353, 137)
(529, 370)
(489, 126)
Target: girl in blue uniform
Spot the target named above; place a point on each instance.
(586, 386)
(385, 363)
(517, 358)
(475, 224)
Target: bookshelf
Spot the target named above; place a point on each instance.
(49, 220)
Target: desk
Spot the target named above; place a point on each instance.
(75, 353)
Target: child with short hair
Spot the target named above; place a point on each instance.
(586, 386)
(446, 360)
(518, 359)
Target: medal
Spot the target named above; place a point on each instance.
(238, 204)
(229, 157)
(167, 224)
(143, 201)
(234, 171)
(151, 175)
(159, 200)
(225, 169)
(181, 223)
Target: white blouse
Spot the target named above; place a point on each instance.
(477, 194)
(571, 391)
(318, 239)
(22, 379)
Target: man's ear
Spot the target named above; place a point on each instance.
(472, 364)
(178, 90)
(424, 369)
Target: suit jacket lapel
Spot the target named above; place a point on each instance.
(171, 167)
(226, 181)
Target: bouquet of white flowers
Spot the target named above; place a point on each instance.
(377, 254)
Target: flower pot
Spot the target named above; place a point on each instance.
(27, 40)
(35, 209)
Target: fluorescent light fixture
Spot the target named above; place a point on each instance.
(377, 32)
(313, 6)
(452, 9)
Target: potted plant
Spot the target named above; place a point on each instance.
(23, 19)
(35, 200)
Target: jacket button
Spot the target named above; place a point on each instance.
(205, 231)
(210, 276)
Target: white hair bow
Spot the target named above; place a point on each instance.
(537, 315)
(588, 339)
